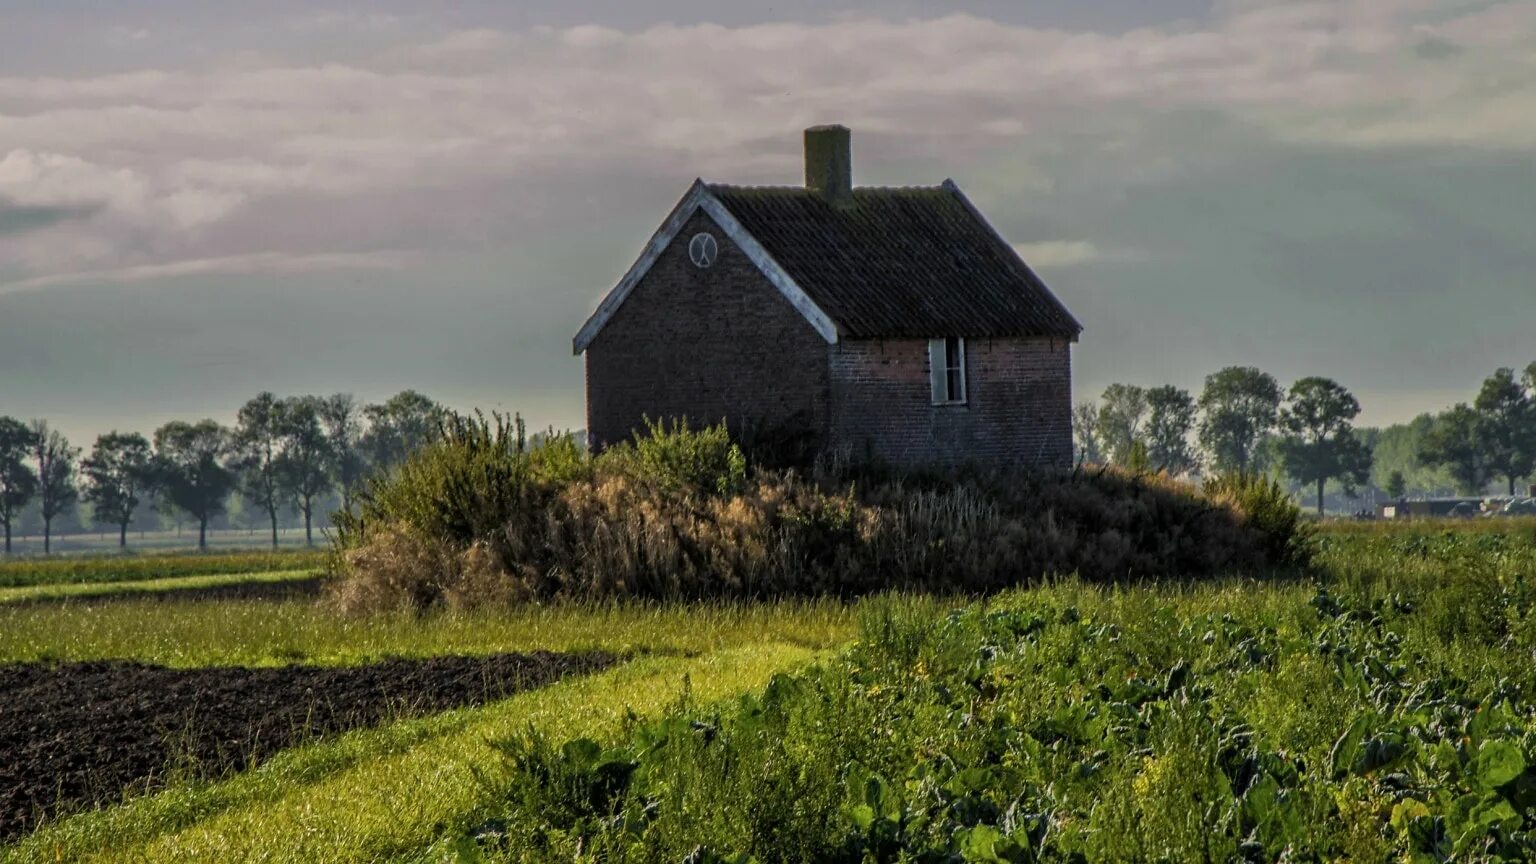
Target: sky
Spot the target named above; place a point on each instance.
(200, 201)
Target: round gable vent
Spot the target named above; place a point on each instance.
(703, 250)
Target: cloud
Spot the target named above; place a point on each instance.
(19, 218)
(260, 262)
(1058, 253)
(176, 164)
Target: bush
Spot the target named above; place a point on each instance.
(1267, 508)
(679, 514)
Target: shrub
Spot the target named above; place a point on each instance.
(1269, 510)
(678, 514)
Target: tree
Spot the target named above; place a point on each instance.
(1122, 409)
(1319, 442)
(303, 466)
(402, 425)
(1239, 407)
(1397, 485)
(1085, 433)
(190, 459)
(1506, 427)
(18, 482)
(257, 448)
(343, 431)
(1171, 419)
(56, 490)
(1452, 443)
(118, 472)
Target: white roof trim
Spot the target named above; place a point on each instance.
(699, 197)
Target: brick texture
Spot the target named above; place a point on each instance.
(722, 343)
(1018, 410)
(707, 344)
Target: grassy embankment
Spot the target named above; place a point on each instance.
(81, 591)
(142, 568)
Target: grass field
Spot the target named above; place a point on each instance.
(1377, 709)
(16, 572)
(50, 591)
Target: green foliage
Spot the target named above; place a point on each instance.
(1351, 720)
(189, 460)
(118, 472)
(1506, 427)
(1122, 411)
(1452, 443)
(673, 458)
(1268, 509)
(1319, 442)
(1169, 424)
(18, 482)
(1239, 407)
(1396, 485)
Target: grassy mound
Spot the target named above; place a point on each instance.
(682, 514)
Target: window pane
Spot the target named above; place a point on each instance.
(952, 353)
(956, 393)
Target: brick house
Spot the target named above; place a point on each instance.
(885, 322)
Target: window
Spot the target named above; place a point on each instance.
(703, 250)
(946, 364)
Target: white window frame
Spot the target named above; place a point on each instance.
(939, 369)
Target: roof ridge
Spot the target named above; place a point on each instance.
(936, 187)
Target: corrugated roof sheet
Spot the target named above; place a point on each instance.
(908, 262)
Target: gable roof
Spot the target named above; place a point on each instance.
(908, 262)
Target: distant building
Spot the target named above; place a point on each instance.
(888, 322)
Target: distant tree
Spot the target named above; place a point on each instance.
(56, 490)
(342, 419)
(399, 427)
(190, 459)
(1506, 427)
(118, 474)
(257, 451)
(1122, 410)
(1318, 441)
(1452, 443)
(18, 482)
(1085, 433)
(1171, 418)
(1397, 485)
(1239, 407)
(303, 466)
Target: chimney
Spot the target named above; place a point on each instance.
(829, 163)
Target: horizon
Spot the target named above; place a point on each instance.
(209, 202)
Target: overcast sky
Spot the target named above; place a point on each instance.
(199, 201)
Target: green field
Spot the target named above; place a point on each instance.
(81, 569)
(51, 591)
(1378, 708)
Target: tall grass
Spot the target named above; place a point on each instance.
(680, 514)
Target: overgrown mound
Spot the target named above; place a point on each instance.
(679, 513)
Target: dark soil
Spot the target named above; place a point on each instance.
(77, 734)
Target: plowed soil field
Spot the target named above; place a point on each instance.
(75, 734)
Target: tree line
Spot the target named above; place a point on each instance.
(284, 454)
(1244, 422)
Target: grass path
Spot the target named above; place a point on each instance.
(90, 590)
(377, 794)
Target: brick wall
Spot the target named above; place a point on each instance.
(706, 344)
(1019, 405)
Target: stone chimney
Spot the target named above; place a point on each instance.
(829, 163)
